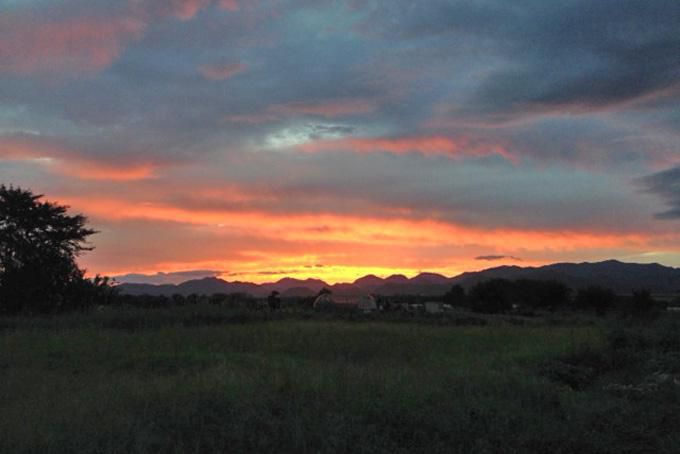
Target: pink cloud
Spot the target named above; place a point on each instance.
(221, 71)
(84, 44)
(186, 9)
(328, 109)
(427, 145)
(182, 9)
(229, 5)
(61, 159)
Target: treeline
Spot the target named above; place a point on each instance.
(526, 295)
(242, 300)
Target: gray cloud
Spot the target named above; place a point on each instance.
(665, 184)
(165, 278)
(491, 258)
(550, 55)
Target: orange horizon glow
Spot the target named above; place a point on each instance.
(345, 247)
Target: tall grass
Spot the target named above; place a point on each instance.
(96, 383)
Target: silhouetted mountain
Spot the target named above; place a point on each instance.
(349, 290)
(298, 292)
(288, 282)
(619, 276)
(430, 278)
(396, 279)
(369, 282)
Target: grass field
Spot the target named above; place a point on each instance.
(186, 380)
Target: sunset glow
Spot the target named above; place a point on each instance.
(256, 140)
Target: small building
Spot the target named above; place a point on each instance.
(434, 307)
(365, 303)
(324, 301)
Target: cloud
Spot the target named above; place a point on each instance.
(230, 5)
(33, 45)
(588, 57)
(351, 125)
(60, 157)
(186, 9)
(565, 57)
(181, 9)
(221, 71)
(326, 108)
(666, 185)
(176, 277)
(497, 257)
(426, 145)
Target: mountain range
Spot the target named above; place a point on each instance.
(619, 276)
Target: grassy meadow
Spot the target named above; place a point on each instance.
(202, 379)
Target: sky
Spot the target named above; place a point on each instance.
(256, 139)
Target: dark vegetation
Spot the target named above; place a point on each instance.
(209, 378)
(39, 243)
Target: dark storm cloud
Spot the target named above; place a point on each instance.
(666, 185)
(575, 55)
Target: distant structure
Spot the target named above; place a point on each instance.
(365, 303)
(434, 307)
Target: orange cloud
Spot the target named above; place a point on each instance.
(69, 162)
(83, 44)
(329, 227)
(427, 145)
(221, 71)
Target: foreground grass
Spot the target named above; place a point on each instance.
(94, 384)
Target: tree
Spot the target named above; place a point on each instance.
(642, 305)
(39, 243)
(455, 296)
(492, 296)
(595, 297)
(542, 294)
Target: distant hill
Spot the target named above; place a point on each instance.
(619, 276)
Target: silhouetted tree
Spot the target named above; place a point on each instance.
(218, 298)
(455, 296)
(39, 243)
(642, 304)
(595, 297)
(324, 291)
(541, 294)
(274, 301)
(495, 295)
(178, 299)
